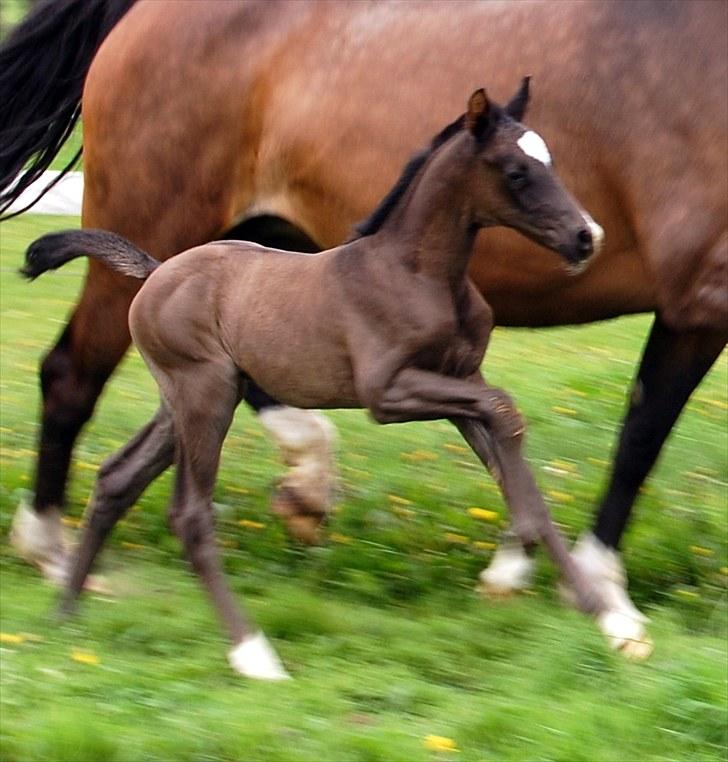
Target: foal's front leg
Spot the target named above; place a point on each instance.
(492, 426)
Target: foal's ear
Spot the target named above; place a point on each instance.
(478, 115)
(516, 107)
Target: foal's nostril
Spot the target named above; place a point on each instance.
(585, 238)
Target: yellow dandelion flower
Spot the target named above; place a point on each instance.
(561, 497)
(403, 513)
(480, 545)
(342, 539)
(690, 594)
(248, 524)
(10, 639)
(84, 657)
(576, 392)
(399, 500)
(564, 465)
(483, 514)
(724, 570)
(131, 545)
(707, 552)
(597, 461)
(419, 455)
(563, 410)
(457, 539)
(450, 447)
(440, 743)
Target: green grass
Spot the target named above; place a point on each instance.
(381, 629)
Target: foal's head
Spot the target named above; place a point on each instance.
(514, 182)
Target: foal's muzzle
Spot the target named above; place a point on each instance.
(586, 242)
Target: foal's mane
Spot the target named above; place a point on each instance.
(376, 219)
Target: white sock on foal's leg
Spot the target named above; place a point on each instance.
(255, 657)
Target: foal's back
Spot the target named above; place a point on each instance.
(276, 314)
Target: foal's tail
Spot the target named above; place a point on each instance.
(43, 66)
(55, 249)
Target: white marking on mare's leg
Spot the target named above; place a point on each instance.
(305, 438)
(510, 569)
(255, 657)
(622, 623)
(533, 145)
(38, 538)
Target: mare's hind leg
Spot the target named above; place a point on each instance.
(500, 451)
(72, 376)
(121, 480)
(203, 397)
(304, 496)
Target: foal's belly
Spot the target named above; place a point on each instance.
(283, 329)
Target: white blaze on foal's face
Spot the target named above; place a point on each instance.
(533, 145)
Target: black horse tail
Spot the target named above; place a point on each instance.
(43, 66)
(55, 249)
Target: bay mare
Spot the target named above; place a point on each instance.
(389, 321)
(284, 123)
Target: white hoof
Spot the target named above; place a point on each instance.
(622, 623)
(603, 566)
(254, 657)
(38, 539)
(306, 439)
(625, 634)
(510, 571)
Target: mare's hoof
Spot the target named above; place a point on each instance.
(39, 539)
(255, 657)
(302, 523)
(625, 635)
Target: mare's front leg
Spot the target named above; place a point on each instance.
(202, 397)
(121, 480)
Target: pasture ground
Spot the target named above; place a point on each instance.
(393, 654)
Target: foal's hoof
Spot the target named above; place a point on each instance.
(255, 657)
(625, 635)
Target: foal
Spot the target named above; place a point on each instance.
(389, 321)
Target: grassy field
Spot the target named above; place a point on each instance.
(393, 654)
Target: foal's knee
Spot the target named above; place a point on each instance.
(504, 416)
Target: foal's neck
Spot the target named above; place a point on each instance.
(433, 224)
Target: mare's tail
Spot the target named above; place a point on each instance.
(55, 249)
(43, 66)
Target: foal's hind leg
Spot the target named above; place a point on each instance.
(72, 376)
(121, 480)
(203, 398)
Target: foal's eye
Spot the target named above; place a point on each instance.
(517, 177)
